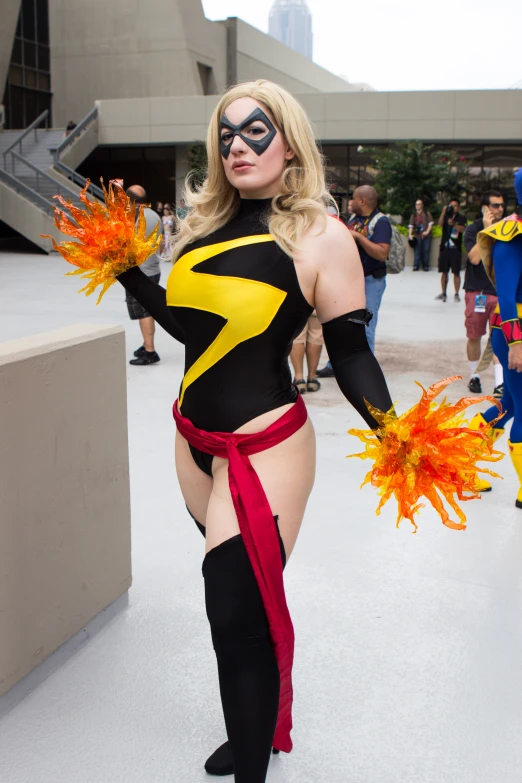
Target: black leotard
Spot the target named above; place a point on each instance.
(238, 332)
(234, 299)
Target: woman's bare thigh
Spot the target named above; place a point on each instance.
(196, 486)
(286, 472)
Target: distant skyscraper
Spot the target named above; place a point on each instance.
(290, 22)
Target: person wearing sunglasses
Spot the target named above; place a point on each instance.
(480, 292)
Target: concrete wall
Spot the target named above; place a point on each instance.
(131, 49)
(26, 218)
(82, 147)
(8, 20)
(434, 253)
(128, 49)
(467, 116)
(259, 56)
(64, 489)
(155, 120)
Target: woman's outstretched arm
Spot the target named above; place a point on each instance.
(153, 298)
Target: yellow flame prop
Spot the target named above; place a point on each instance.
(108, 239)
(428, 451)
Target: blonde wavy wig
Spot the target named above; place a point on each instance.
(302, 196)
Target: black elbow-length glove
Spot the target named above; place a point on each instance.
(153, 298)
(356, 369)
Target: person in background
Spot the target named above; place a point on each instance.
(372, 233)
(450, 258)
(421, 223)
(168, 228)
(146, 353)
(309, 342)
(480, 293)
(159, 208)
(501, 253)
(70, 127)
(181, 209)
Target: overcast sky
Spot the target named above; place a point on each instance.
(406, 45)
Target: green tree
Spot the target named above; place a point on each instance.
(411, 170)
(198, 162)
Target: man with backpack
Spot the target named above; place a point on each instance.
(372, 232)
(381, 250)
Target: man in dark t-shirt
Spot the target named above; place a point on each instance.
(480, 293)
(372, 232)
(450, 257)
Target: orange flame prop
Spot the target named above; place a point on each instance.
(108, 239)
(428, 451)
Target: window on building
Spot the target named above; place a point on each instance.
(28, 87)
(208, 82)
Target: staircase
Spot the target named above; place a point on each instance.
(32, 172)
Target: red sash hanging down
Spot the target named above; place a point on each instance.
(256, 523)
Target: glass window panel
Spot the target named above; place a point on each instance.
(42, 21)
(336, 154)
(16, 75)
(28, 20)
(503, 156)
(30, 78)
(16, 56)
(361, 170)
(127, 153)
(167, 154)
(31, 106)
(44, 60)
(29, 54)
(44, 82)
(15, 108)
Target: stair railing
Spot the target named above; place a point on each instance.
(32, 127)
(78, 179)
(61, 190)
(31, 195)
(75, 133)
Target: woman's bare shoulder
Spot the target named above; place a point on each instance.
(326, 238)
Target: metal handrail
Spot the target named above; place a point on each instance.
(39, 173)
(28, 192)
(78, 179)
(93, 114)
(33, 126)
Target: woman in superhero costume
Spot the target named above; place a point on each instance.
(501, 251)
(254, 256)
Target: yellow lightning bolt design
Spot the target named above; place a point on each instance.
(249, 306)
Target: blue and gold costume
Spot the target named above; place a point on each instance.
(501, 251)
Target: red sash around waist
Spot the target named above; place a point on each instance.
(256, 524)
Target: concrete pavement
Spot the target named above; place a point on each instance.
(409, 647)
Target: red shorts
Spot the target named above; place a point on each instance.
(477, 323)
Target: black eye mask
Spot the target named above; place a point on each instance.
(258, 146)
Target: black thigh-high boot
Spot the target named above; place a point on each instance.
(247, 667)
(220, 762)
